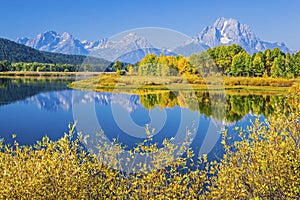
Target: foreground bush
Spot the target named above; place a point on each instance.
(267, 165)
(264, 165)
(63, 169)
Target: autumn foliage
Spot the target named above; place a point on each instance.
(230, 60)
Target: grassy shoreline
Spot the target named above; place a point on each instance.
(110, 82)
(137, 84)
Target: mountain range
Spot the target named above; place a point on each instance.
(15, 52)
(132, 47)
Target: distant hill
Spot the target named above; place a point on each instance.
(15, 52)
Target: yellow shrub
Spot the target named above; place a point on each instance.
(267, 165)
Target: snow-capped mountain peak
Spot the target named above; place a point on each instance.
(128, 48)
(66, 36)
(53, 42)
(140, 42)
(90, 45)
(224, 31)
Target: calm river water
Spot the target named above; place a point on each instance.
(32, 108)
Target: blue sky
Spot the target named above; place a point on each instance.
(270, 20)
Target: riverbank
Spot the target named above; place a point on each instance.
(136, 84)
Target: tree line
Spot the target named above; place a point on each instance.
(230, 60)
(47, 67)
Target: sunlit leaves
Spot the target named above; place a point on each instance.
(265, 166)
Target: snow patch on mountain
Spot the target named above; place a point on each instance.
(224, 39)
(133, 47)
(230, 31)
(130, 48)
(54, 42)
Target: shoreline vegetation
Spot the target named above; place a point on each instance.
(219, 68)
(136, 84)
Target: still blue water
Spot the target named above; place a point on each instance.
(32, 109)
